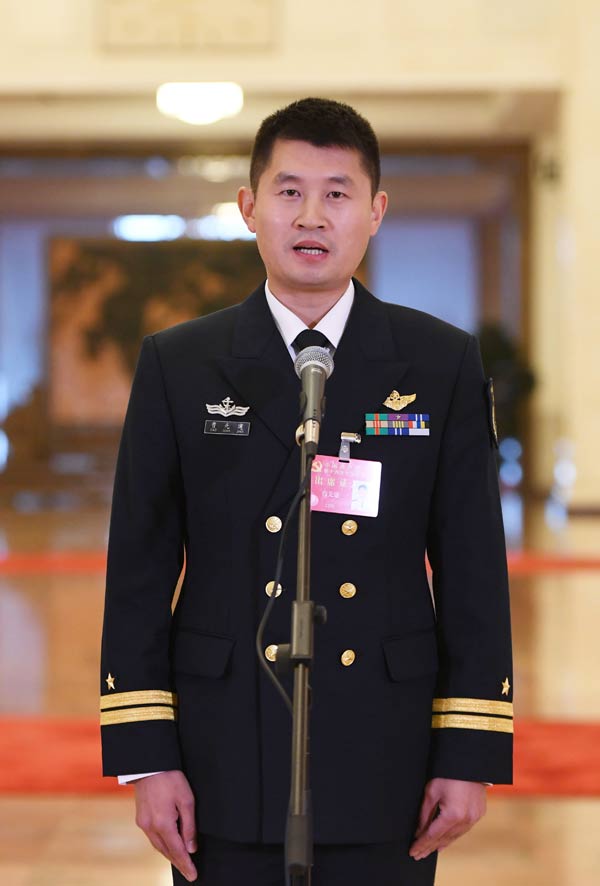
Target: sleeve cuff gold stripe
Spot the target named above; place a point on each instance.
(461, 721)
(141, 696)
(473, 706)
(135, 715)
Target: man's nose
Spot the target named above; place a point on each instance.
(311, 215)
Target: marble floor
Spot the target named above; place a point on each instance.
(50, 622)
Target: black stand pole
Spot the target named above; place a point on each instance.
(299, 836)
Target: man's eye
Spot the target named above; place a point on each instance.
(290, 192)
(336, 194)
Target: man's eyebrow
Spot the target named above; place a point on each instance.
(341, 180)
(286, 177)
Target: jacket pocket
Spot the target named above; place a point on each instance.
(203, 655)
(411, 655)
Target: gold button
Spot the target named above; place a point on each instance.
(270, 587)
(347, 590)
(347, 657)
(349, 527)
(271, 652)
(273, 524)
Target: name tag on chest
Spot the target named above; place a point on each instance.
(227, 428)
(340, 487)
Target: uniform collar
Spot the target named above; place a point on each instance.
(332, 324)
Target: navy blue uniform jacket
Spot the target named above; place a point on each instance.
(430, 690)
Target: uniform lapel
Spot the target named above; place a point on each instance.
(367, 369)
(261, 371)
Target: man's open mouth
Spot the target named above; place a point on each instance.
(310, 250)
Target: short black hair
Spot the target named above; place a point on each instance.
(321, 122)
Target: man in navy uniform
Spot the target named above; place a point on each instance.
(412, 697)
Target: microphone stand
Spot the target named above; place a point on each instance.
(299, 835)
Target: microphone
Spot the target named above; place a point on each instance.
(313, 367)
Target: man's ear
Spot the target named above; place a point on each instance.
(380, 203)
(245, 202)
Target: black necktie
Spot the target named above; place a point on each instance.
(308, 338)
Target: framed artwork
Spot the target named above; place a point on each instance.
(106, 295)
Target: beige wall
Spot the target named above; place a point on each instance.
(128, 45)
(580, 134)
(89, 68)
(86, 71)
(565, 304)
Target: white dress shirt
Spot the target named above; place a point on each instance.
(289, 325)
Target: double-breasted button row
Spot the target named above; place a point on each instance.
(274, 524)
(347, 590)
(347, 658)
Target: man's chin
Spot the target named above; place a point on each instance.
(315, 282)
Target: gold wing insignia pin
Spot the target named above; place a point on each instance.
(398, 401)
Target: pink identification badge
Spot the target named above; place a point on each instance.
(345, 487)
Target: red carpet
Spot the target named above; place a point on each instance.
(53, 563)
(46, 755)
(555, 759)
(41, 755)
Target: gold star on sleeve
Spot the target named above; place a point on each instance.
(505, 687)
(110, 681)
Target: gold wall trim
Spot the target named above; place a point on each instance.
(141, 696)
(135, 715)
(473, 706)
(462, 721)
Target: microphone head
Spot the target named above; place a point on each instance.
(314, 356)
